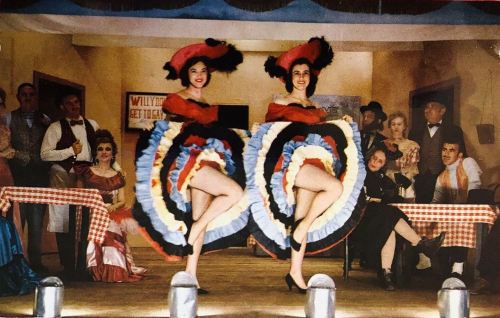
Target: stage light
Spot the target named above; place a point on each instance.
(183, 296)
(320, 297)
(453, 299)
(49, 295)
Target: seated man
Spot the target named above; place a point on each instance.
(452, 186)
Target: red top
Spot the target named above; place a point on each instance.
(105, 185)
(190, 109)
(295, 112)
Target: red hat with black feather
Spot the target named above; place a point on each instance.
(221, 57)
(316, 51)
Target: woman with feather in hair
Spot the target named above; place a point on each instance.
(111, 261)
(303, 172)
(191, 176)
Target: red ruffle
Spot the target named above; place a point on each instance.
(278, 112)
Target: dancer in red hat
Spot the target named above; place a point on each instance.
(303, 173)
(191, 176)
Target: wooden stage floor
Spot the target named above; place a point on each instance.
(242, 285)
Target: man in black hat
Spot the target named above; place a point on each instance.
(372, 120)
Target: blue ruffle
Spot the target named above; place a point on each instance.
(16, 277)
(172, 240)
(144, 168)
(343, 215)
(184, 156)
(255, 201)
(279, 192)
(269, 226)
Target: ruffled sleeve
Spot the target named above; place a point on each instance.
(203, 114)
(293, 113)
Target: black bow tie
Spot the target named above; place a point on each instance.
(434, 125)
(369, 133)
(76, 122)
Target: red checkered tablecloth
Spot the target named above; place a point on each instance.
(99, 218)
(457, 220)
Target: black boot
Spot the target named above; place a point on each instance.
(386, 280)
(430, 247)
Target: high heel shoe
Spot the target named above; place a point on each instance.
(293, 243)
(430, 246)
(290, 283)
(202, 291)
(188, 249)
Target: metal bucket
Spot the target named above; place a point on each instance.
(320, 297)
(183, 296)
(49, 295)
(453, 299)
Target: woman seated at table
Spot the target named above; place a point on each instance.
(375, 236)
(16, 277)
(112, 261)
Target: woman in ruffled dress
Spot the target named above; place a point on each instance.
(112, 261)
(190, 178)
(305, 174)
(405, 168)
(375, 237)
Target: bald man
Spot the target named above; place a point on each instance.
(430, 137)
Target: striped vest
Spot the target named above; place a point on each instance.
(26, 139)
(430, 153)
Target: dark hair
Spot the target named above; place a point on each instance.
(67, 92)
(372, 151)
(313, 78)
(184, 73)
(103, 136)
(23, 85)
(454, 139)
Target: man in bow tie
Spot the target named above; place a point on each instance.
(430, 138)
(67, 143)
(27, 125)
(372, 121)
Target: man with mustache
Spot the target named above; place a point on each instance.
(452, 186)
(372, 120)
(67, 143)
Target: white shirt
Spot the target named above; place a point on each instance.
(48, 150)
(433, 130)
(59, 214)
(473, 172)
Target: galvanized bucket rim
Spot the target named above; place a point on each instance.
(321, 287)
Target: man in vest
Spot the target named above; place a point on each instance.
(452, 187)
(67, 143)
(430, 138)
(28, 126)
(373, 118)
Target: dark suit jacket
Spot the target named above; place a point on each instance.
(378, 139)
(417, 135)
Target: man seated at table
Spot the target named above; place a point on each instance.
(452, 186)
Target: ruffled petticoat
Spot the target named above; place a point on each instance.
(112, 260)
(16, 277)
(164, 169)
(273, 158)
